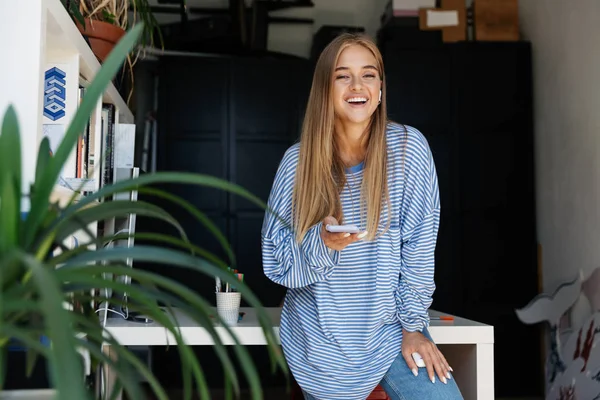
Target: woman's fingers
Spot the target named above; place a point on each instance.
(335, 241)
(435, 363)
(434, 360)
(338, 240)
(330, 220)
(440, 368)
(428, 358)
(347, 238)
(410, 362)
(447, 367)
(440, 364)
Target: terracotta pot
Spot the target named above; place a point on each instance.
(102, 36)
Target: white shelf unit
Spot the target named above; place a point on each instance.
(37, 34)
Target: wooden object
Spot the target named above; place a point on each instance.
(432, 19)
(378, 394)
(496, 20)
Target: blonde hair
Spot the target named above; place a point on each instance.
(320, 174)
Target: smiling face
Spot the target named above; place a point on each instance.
(356, 85)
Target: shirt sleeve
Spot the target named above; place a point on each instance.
(419, 220)
(285, 261)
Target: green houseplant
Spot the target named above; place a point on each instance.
(104, 22)
(107, 20)
(36, 283)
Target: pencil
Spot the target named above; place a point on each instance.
(444, 318)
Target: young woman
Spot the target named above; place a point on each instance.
(356, 307)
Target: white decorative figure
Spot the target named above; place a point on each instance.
(551, 309)
(573, 367)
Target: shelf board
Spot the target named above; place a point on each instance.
(63, 38)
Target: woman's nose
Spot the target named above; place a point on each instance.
(356, 83)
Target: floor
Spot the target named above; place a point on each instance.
(275, 394)
(271, 394)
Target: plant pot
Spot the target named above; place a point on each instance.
(102, 36)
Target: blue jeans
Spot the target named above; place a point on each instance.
(400, 384)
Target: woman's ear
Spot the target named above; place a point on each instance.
(380, 95)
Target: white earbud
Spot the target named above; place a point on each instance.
(380, 95)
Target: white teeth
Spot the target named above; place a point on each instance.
(356, 99)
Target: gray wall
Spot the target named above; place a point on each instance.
(566, 59)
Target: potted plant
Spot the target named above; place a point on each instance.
(36, 282)
(105, 22)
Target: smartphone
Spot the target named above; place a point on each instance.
(342, 228)
(418, 360)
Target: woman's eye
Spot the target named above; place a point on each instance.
(341, 77)
(370, 76)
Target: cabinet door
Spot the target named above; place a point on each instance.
(192, 130)
(419, 84)
(232, 118)
(496, 186)
(420, 93)
(268, 97)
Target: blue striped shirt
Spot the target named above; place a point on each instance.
(342, 319)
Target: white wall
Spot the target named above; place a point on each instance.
(566, 62)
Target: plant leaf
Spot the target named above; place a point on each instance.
(124, 360)
(10, 148)
(88, 275)
(9, 215)
(157, 237)
(3, 357)
(10, 181)
(74, 9)
(166, 177)
(34, 346)
(157, 314)
(179, 259)
(64, 360)
(43, 189)
(43, 158)
(72, 223)
(200, 216)
(24, 336)
(30, 360)
(94, 340)
(227, 386)
(176, 258)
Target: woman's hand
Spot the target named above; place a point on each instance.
(338, 240)
(416, 342)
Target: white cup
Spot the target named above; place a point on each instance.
(228, 306)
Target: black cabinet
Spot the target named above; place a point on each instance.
(473, 102)
(233, 118)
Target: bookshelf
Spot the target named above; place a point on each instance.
(45, 69)
(46, 61)
(63, 40)
(47, 65)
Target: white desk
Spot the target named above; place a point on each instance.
(467, 345)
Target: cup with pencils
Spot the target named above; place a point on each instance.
(229, 299)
